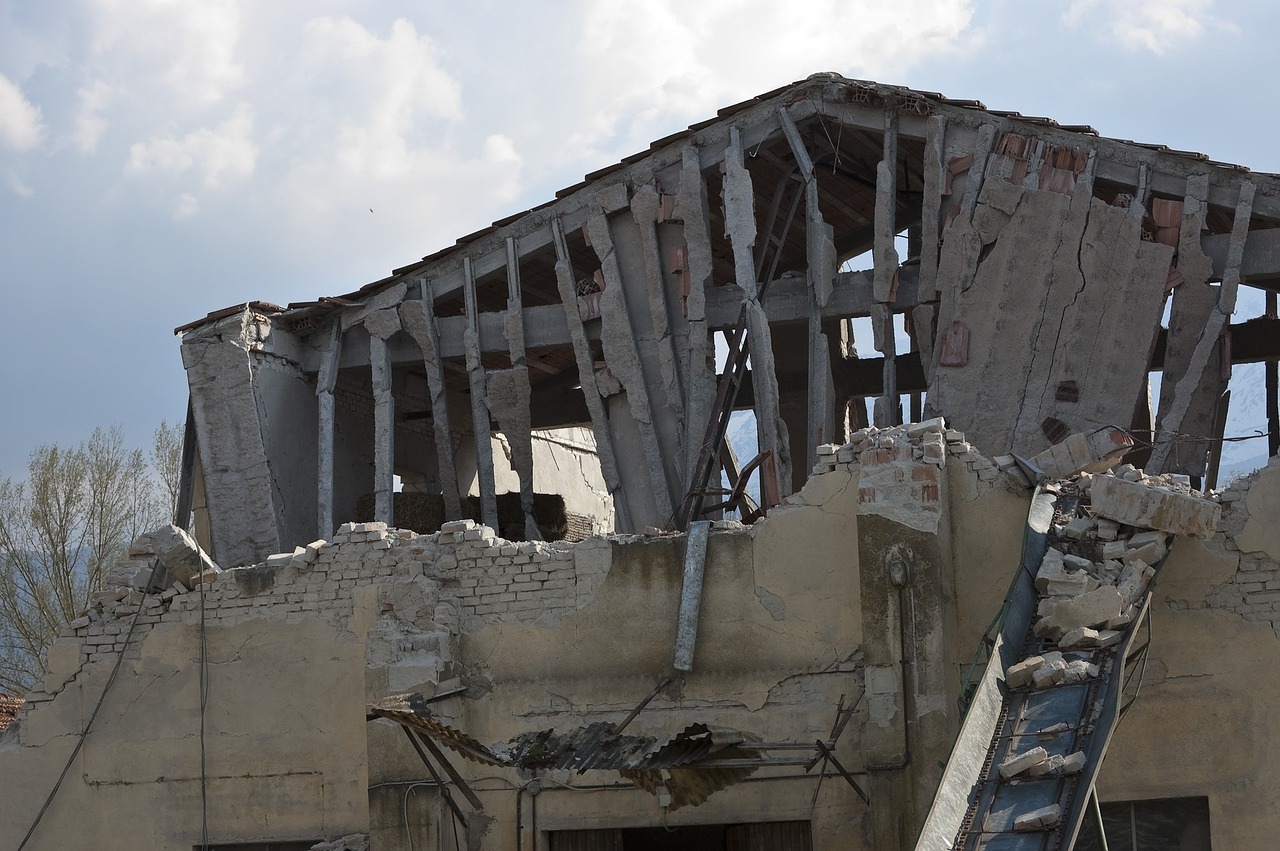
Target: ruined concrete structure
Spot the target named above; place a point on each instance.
(569, 372)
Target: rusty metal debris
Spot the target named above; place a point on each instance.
(690, 766)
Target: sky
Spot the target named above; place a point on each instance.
(160, 159)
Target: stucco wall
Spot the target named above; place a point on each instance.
(1206, 720)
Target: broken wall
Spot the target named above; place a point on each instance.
(1058, 297)
(1205, 722)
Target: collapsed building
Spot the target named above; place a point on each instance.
(464, 570)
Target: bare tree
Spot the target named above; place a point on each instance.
(60, 531)
(166, 460)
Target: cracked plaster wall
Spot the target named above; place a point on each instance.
(555, 635)
(1206, 719)
(1069, 273)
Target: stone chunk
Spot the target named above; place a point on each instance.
(1134, 580)
(1095, 452)
(1081, 636)
(1040, 819)
(1074, 763)
(1092, 609)
(937, 425)
(180, 555)
(458, 526)
(1019, 673)
(1107, 529)
(1018, 763)
(1138, 504)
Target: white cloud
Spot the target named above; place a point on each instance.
(222, 155)
(684, 60)
(17, 185)
(90, 122)
(1154, 25)
(190, 46)
(186, 207)
(21, 125)
(380, 94)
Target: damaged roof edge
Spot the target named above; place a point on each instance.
(910, 100)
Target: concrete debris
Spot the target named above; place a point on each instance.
(180, 555)
(1040, 819)
(1154, 502)
(1095, 452)
(1023, 762)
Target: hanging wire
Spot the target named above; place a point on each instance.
(204, 700)
(115, 670)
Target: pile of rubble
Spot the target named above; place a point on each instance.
(926, 441)
(1091, 583)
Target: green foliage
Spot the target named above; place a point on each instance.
(64, 526)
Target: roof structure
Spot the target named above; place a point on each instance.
(909, 101)
(1029, 263)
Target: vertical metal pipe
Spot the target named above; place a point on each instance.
(695, 558)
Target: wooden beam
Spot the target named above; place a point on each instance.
(692, 210)
(509, 393)
(740, 221)
(644, 210)
(418, 319)
(888, 409)
(623, 358)
(481, 429)
(567, 286)
(820, 260)
(326, 378)
(1173, 421)
(931, 211)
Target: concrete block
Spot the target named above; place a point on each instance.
(180, 554)
(1138, 504)
(1040, 819)
(937, 425)
(1019, 673)
(1081, 636)
(1048, 674)
(1107, 529)
(1074, 763)
(1078, 528)
(457, 526)
(1092, 609)
(1018, 763)
(1077, 562)
(1113, 549)
(1151, 536)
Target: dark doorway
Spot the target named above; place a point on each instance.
(759, 836)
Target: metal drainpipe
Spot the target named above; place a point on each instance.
(519, 819)
(906, 730)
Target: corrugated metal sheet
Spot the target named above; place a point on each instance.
(412, 711)
(673, 765)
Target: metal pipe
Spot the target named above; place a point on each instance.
(695, 558)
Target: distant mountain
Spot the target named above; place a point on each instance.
(1246, 416)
